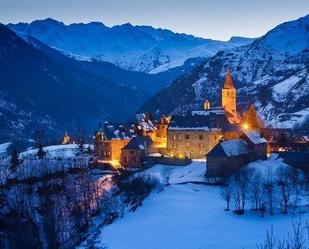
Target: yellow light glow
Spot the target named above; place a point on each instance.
(114, 163)
(245, 126)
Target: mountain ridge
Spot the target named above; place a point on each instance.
(271, 72)
(48, 90)
(137, 48)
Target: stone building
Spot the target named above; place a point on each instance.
(155, 129)
(256, 143)
(191, 136)
(132, 155)
(195, 134)
(228, 156)
(110, 139)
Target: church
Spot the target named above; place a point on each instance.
(195, 134)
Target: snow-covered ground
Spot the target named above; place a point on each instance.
(187, 215)
(53, 151)
(58, 158)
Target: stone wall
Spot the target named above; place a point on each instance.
(191, 144)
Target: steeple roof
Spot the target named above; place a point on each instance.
(228, 83)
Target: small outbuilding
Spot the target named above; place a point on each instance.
(227, 157)
(256, 142)
(133, 153)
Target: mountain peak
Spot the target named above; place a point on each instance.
(48, 21)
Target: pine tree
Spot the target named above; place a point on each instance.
(14, 160)
(251, 119)
(41, 153)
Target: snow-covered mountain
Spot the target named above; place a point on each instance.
(42, 89)
(272, 72)
(138, 48)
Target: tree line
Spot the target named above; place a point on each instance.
(265, 190)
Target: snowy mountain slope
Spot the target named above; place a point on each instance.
(51, 91)
(272, 72)
(138, 48)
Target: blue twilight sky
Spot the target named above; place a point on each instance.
(217, 19)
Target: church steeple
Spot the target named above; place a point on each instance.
(228, 83)
(229, 95)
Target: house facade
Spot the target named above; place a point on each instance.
(109, 141)
(191, 136)
(132, 155)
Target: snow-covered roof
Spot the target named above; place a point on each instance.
(214, 110)
(119, 131)
(144, 123)
(139, 143)
(198, 122)
(230, 148)
(255, 137)
(190, 123)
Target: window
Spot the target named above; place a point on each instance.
(187, 136)
(174, 136)
(131, 152)
(174, 145)
(202, 146)
(201, 137)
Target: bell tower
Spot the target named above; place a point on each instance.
(229, 95)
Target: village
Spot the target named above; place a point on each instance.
(222, 136)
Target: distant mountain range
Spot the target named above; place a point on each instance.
(272, 72)
(42, 89)
(136, 48)
(57, 77)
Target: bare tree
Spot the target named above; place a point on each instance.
(166, 174)
(286, 186)
(240, 184)
(256, 190)
(269, 190)
(226, 193)
(297, 240)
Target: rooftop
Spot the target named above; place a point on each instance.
(255, 137)
(230, 148)
(139, 143)
(118, 131)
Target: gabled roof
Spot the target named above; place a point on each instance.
(255, 137)
(139, 143)
(230, 148)
(203, 121)
(118, 131)
(190, 123)
(144, 124)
